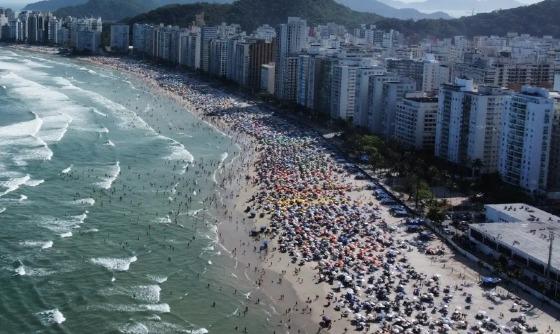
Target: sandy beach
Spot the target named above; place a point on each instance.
(356, 269)
(317, 242)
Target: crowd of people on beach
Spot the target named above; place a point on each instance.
(305, 194)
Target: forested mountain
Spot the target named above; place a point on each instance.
(52, 5)
(379, 8)
(252, 13)
(538, 19)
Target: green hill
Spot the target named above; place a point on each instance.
(112, 10)
(252, 13)
(109, 10)
(538, 19)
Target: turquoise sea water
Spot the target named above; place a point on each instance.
(103, 225)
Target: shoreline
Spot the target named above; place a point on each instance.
(300, 286)
(238, 235)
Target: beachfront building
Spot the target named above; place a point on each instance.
(415, 122)
(267, 78)
(139, 38)
(428, 73)
(219, 57)
(257, 52)
(526, 139)
(524, 245)
(207, 34)
(120, 36)
(392, 93)
(291, 39)
(375, 100)
(517, 213)
(362, 93)
(553, 186)
(469, 125)
(450, 121)
(505, 71)
(306, 81)
(345, 75)
(16, 30)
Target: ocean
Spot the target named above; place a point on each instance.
(105, 221)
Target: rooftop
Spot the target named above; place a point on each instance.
(532, 239)
(524, 212)
(424, 99)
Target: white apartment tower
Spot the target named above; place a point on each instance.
(393, 92)
(469, 125)
(526, 139)
(450, 119)
(120, 37)
(375, 100)
(484, 126)
(343, 93)
(362, 93)
(291, 38)
(415, 122)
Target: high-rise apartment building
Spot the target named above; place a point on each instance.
(526, 139)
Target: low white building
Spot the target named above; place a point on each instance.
(517, 213)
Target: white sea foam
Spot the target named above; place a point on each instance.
(146, 293)
(67, 169)
(223, 158)
(178, 150)
(34, 64)
(61, 81)
(114, 264)
(110, 177)
(159, 308)
(109, 143)
(20, 270)
(163, 220)
(65, 225)
(14, 184)
(66, 235)
(95, 111)
(2, 210)
(52, 119)
(26, 271)
(37, 244)
(34, 183)
(84, 201)
(51, 317)
(22, 198)
(134, 328)
(24, 138)
(158, 278)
